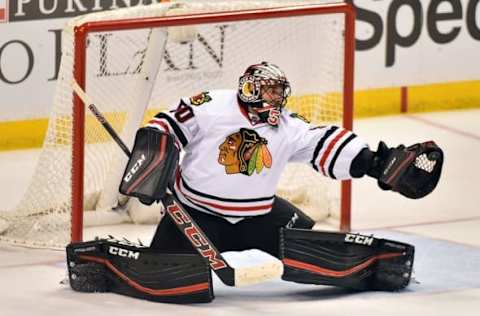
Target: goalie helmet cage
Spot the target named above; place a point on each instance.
(134, 62)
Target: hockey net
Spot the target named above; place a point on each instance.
(135, 62)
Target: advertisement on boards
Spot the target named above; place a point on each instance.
(413, 42)
(398, 42)
(30, 50)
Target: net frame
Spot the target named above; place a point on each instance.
(80, 45)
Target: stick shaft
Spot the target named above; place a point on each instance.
(100, 118)
(109, 128)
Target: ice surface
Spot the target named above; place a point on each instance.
(443, 227)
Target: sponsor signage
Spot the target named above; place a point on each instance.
(412, 42)
(398, 42)
(31, 10)
(402, 24)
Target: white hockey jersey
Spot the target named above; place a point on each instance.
(231, 167)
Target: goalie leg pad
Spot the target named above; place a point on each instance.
(151, 165)
(108, 266)
(346, 260)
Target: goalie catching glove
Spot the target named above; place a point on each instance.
(412, 171)
(153, 160)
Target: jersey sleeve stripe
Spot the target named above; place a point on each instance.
(320, 145)
(329, 149)
(159, 124)
(337, 153)
(176, 129)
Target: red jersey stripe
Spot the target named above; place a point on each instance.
(224, 207)
(160, 123)
(329, 150)
(166, 128)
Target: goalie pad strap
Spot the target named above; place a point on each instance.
(108, 266)
(346, 260)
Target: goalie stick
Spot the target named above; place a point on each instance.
(230, 276)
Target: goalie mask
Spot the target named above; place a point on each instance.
(263, 90)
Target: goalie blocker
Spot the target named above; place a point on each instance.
(152, 162)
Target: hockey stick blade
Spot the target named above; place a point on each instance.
(185, 223)
(258, 274)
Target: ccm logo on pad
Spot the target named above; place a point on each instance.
(124, 252)
(135, 168)
(359, 239)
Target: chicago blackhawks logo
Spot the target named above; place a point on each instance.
(244, 152)
(200, 99)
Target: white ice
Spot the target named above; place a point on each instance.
(444, 227)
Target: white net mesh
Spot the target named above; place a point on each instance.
(123, 81)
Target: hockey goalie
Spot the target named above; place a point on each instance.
(236, 144)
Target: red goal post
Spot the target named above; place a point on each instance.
(81, 32)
